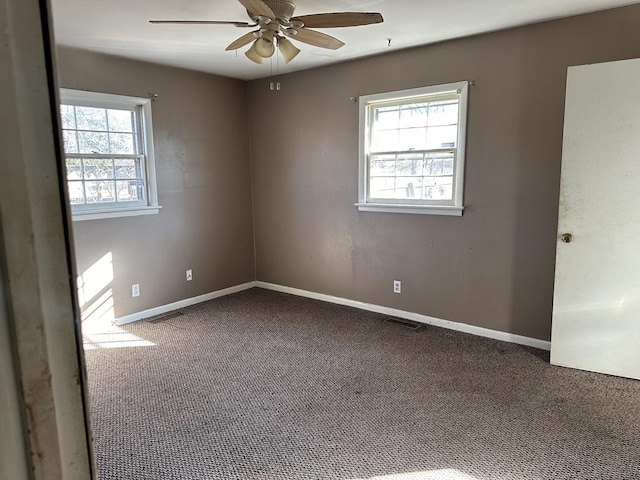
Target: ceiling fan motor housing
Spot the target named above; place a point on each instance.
(282, 10)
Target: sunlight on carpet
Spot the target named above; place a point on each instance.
(445, 474)
(98, 315)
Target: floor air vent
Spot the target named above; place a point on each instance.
(163, 317)
(404, 323)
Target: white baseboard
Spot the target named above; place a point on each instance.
(460, 327)
(134, 317)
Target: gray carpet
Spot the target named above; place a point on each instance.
(262, 385)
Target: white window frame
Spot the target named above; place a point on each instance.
(433, 207)
(142, 107)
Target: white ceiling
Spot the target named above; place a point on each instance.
(120, 27)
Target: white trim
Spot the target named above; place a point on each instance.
(409, 93)
(150, 161)
(134, 317)
(461, 145)
(114, 213)
(437, 322)
(403, 208)
(365, 203)
(459, 327)
(109, 100)
(71, 96)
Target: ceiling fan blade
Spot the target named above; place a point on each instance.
(343, 19)
(203, 22)
(242, 41)
(258, 7)
(317, 39)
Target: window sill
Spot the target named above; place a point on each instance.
(114, 213)
(419, 209)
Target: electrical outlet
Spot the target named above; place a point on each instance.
(189, 275)
(135, 290)
(397, 286)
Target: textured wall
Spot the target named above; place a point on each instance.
(493, 267)
(204, 185)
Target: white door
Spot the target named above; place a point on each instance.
(596, 312)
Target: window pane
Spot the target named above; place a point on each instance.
(410, 165)
(433, 166)
(438, 188)
(382, 187)
(93, 142)
(67, 116)
(129, 190)
(385, 141)
(127, 168)
(411, 149)
(102, 133)
(70, 140)
(382, 165)
(408, 187)
(90, 118)
(98, 168)
(443, 113)
(442, 137)
(76, 192)
(413, 115)
(385, 118)
(100, 192)
(413, 139)
(447, 165)
(121, 121)
(74, 169)
(122, 143)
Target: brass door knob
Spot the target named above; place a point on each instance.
(566, 238)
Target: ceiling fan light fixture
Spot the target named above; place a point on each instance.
(264, 47)
(287, 49)
(252, 55)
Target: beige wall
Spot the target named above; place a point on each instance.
(494, 266)
(204, 185)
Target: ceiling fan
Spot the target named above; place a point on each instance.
(276, 24)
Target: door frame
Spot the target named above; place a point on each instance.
(44, 396)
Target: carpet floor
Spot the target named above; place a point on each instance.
(263, 385)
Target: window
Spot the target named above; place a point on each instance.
(412, 150)
(108, 147)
